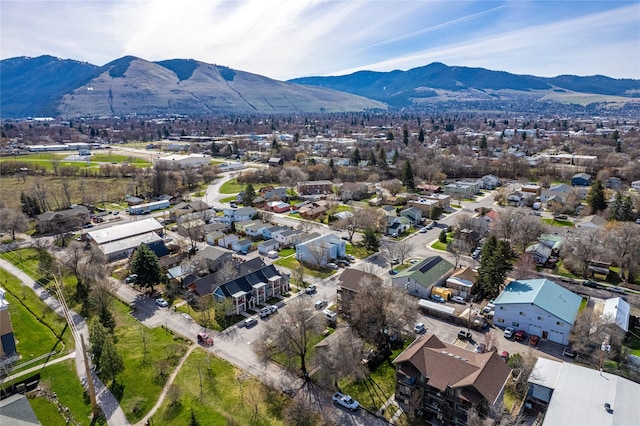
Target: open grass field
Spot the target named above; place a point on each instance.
(229, 396)
(292, 263)
(557, 222)
(46, 160)
(36, 326)
(110, 189)
(232, 186)
(357, 251)
(144, 376)
(62, 379)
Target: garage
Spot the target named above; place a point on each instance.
(534, 330)
(556, 337)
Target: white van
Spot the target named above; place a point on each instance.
(272, 254)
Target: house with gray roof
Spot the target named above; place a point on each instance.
(419, 279)
(581, 179)
(63, 220)
(125, 230)
(603, 399)
(413, 214)
(540, 307)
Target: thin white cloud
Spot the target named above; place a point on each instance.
(293, 38)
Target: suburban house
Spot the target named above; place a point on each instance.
(241, 246)
(349, 284)
(540, 307)
(313, 209)
(605, 399)
(267, 233)
(212, 238)
(355, 191)
(413, 214)
(255, 230)
(613, 183)
(554, 242)
(490, 182)
(389, 211)
(124, 248)
(252, 289)
(540, 253)
(269, 193)
(419, 279)
(442, 381)
(277, 206)
(227, 240)
(635, 185)
(426, 188)
(238, 214)
(321, 249)
(63, 220)
(266, 246)
(187, 207)
(581, 179)
(286, 236)
(315, 187)
(560, 187)
(556, 201)
(212, 258)
(462, 281)
(463, 188)
(616, 311)
(396, 226)
(592, 221)
(241, 226)
(531, 188)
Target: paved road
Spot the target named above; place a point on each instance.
(108, 403)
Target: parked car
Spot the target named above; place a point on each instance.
(273, 309)
(591, 284)
(534, 340)
(393, 272)
(332, 266)
(504, 355)
(395, 260)
(320, 304)
(520, 335)
(430, 226)
(481, 348)
(250, 322)
(569, 351)
(204, 339)
(508, 332)
(310, 290)
(350, 257)
(458, 299)
(162, 303)
(423, 230)
(617, 289)
(464, 335)
(345, 400)
(438, 298)
(264, 312)
(419, 328)
(131, 279)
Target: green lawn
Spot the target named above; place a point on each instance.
(357, 251)
(35, 325)
(62, 379)
(292, 263)
(374, 390)
(442, 246)
(556, 222)
(229, 396)
(139, 386)
(232, 186)
(228, 199)
(634, 345)
(286, 252)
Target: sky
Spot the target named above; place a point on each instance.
(284, 39)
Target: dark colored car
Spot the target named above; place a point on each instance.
(204, 339)
(570, 352)
(520, 335)
(464, 335)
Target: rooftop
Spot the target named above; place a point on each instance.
(125, 230)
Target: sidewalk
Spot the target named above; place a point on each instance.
(108, 403)
(70, 355)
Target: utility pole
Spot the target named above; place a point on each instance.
(95, 409)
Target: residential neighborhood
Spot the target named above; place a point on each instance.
(448, 290)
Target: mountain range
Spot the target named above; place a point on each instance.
(49, 86)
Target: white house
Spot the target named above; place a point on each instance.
(238, 215)
(616, 310)
(490, 181)
(285, 237)
(321, 249)
(540, 307)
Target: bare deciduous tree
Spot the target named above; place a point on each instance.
(404, 249)
(525, 267)
(341, 358)
(623, 245)
(586, 246)
(290, 176)
(528, 230)
(13, 221)
(291, 332)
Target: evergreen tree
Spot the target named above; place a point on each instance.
(596, 199)
(443, 237)
(405, 135)
(421, 135)
(494, 267)
(483, 143)
(29, 205)
(407, 176)
(382, 158)
(97, 336)
(355, 158)
(619, 145)
(332, 166)
(372, 159)
(146, 265)
(371, 241)
(249, 195)
(390, 136)
(111, 362)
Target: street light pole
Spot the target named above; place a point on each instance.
(469, 322)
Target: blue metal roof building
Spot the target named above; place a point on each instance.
(540, 307)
